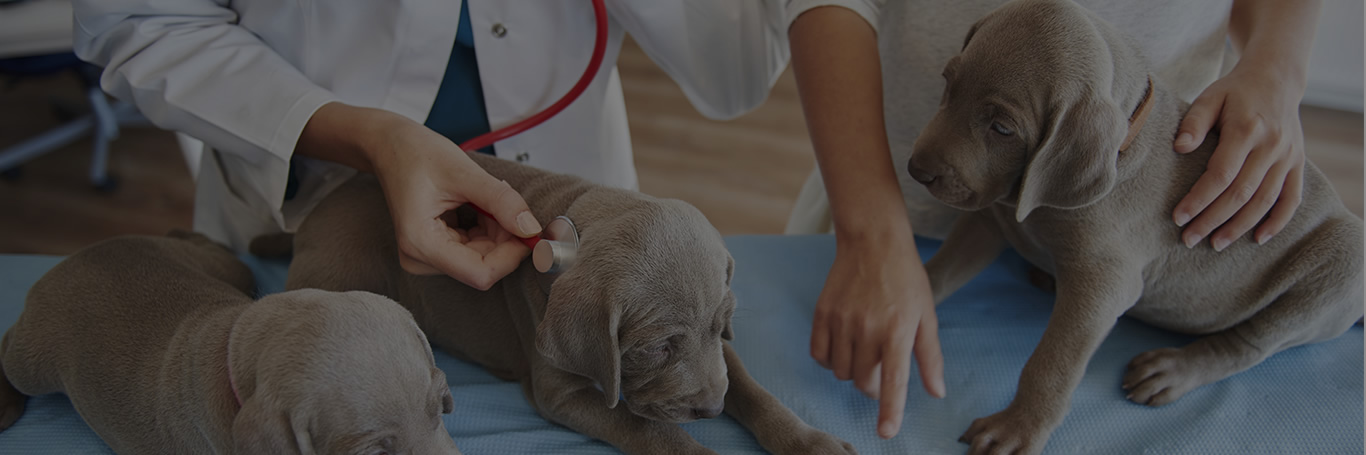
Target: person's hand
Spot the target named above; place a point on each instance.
(425, 175)
(1258, 167)
(875, 311)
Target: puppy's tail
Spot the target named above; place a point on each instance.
(275, 245)
(11, 400)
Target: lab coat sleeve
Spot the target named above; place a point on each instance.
(724, 54)
(868, 9)
(189, 67)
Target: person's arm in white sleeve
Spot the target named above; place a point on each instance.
(189, 67)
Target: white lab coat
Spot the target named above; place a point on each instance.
(244, 76)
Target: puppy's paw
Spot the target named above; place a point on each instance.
(11, 405)
(818, 442)
(1161, 376)
(811, 441)
(1008, 432)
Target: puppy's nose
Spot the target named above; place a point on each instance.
(707, 413)
(920, 175)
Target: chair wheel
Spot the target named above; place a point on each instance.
(12, 174)
(66, 111)
(110, 184)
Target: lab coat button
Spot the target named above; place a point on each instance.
(499, 30)
(523, 157)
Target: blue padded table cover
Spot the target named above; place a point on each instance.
(1306, 400)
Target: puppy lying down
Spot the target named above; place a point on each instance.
(643, 315)
(1054, 131)
(161, 351)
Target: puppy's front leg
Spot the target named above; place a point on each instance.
(572, 401)
(1091, 296)
(970, 247)
(779, 430)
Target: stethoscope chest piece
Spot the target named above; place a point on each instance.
(558, 248)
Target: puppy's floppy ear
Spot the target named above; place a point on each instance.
(971, 31)
(579, 332)
(261, 427)
(1075, 162)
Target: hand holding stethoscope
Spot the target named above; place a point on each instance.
(425, 176)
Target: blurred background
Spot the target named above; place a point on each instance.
(744, 174)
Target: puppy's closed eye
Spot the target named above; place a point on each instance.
(660, 350)
(1001, 129)
(383, 446)
(653, 353)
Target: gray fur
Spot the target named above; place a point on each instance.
(1059, 191)
(135, 331)
(650, 273)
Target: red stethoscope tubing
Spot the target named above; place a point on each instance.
(599, 49)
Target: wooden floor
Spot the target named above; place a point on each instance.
(743, 174)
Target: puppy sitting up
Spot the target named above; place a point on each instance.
(1058, 137)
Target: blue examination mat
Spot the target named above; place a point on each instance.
(1306, 400)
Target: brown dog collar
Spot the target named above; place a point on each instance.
(1139, 116)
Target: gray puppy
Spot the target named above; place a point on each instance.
(161, 350)
(644, 312)
(1054, 132)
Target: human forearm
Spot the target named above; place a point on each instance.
(877, 275)
(835, 58)
(1275, 35)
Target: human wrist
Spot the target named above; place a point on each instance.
(1288, 72)
(378, 136)
(353, 136)
(880, 231)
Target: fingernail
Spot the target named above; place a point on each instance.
(1191, 240)
(1262, 238)
(527, 223)
(1182, 218)
(1220, 244)
(885, 430)
(939, 389)
(1184, 139)
(1129, 397)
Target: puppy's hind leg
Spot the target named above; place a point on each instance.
(1310, 312)
(11, 400)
